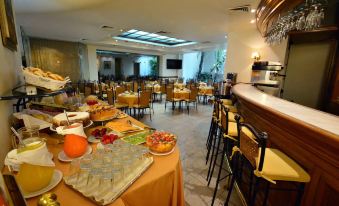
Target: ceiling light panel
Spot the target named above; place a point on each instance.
(152, 38)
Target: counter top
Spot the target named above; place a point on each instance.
(306, 115)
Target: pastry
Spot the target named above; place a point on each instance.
(73, 117)
(102, 112)
(39, 72)
(161, 142)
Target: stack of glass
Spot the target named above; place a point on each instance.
(105, 172)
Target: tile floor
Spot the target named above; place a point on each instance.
(192, 131)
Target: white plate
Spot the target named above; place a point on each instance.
(162, 154)
(88, 125)
(57, 177)
(63, 157)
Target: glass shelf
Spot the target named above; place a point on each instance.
(19, 92)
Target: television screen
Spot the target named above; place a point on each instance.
(174, 64)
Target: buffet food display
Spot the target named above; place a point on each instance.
(106, 174)
(45, 79)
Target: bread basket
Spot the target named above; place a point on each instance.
(44, 82)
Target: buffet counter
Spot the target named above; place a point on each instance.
(308, 136)
(160, 184)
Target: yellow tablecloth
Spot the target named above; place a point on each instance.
(155, 88)
(129, 99)
(206, 90)
(179, 85)
(161, 184)
(181, 94)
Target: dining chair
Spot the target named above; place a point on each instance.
(88, 91)
(269, 165)
(170, 97)
(144, 98)
(192, 99)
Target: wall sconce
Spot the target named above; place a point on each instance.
(255, 56)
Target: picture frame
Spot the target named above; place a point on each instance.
(107, 64)
(7, 25)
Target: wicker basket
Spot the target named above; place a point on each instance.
(44, 82)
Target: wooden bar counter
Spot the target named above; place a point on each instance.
(308, 136)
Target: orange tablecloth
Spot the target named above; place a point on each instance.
(155, 88)
(129, 99)
(181, 94)
(206, 90)
(160, 185)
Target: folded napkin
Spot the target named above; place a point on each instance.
(75, 128)
(39, 156)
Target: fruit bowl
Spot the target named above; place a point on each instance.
(161, 142)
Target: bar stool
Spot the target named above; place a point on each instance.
(213, 129)
(228, 133)
(268, 164)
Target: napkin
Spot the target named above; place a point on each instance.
(75, 128)
(39, 156)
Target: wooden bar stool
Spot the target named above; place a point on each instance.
(268, 164)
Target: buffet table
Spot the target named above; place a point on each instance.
(308, 136)
(161, 184)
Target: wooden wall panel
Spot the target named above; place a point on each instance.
(314, 149)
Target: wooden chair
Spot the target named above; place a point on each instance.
(144, 99)
(170, 97)
(88, 91)
(268, 164)
(135, 86)
(192, 99)
(110, 96)
(119, 90)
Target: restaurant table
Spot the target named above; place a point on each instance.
(155, 88)
(206, 90)
(181, 94)
(161, 184)
(129, 99)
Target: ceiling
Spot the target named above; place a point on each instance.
(203, 21)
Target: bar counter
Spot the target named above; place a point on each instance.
(308, 136)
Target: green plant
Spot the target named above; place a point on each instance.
(154, 66)
(204, 76)
(220, 57)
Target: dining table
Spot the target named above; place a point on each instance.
(181, 94)
(128, 98)
(160, 184)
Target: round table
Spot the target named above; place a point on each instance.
(155, 88)
(181, 94)
(206, 90)
(129, 99)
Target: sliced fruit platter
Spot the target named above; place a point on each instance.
(103, 135)
(161, 143)
(138, 138)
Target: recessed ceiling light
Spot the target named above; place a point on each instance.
(116, 40)
(252, 21)
(121, 30)
(253, 10)
(226, 37)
